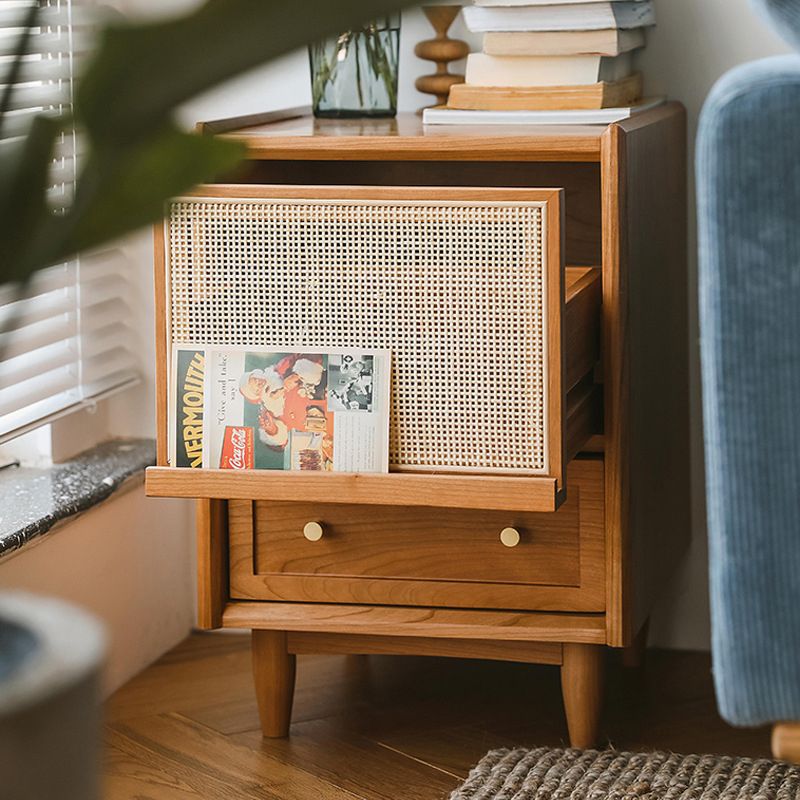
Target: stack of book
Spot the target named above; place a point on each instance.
(551, 61)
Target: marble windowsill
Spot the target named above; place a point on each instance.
(32, 501)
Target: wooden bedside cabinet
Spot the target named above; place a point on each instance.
(549, 564)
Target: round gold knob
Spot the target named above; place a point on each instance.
(509, 537)
(312, 531)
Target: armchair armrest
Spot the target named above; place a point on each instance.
(748, 174)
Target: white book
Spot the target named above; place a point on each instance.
(562, 17)
(599, 116)
(609, 42)
(485, 70)
(540, 2)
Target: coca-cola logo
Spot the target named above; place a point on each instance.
(237, 448)
(238, 458)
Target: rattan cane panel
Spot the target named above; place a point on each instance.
(455, 290)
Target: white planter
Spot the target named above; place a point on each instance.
(51, 656)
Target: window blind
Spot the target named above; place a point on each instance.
(65, 342)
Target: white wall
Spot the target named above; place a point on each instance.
(131, 559)
(695, 42)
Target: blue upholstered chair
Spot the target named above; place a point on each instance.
(748, 177)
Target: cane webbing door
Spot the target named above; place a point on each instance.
(464, 286)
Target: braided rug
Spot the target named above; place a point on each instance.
(552, 774)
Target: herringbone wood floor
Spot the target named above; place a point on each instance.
(378, 726)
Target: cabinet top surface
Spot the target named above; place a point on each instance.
(296, 134)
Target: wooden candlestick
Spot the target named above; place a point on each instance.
(441, 50)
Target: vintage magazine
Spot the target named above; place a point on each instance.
(267, 408)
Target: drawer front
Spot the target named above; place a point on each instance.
(417, 543)
(465, 286)
(423, 556)
(493, 342)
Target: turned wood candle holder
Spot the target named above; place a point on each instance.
(441, 50)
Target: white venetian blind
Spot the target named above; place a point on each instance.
(65, 339)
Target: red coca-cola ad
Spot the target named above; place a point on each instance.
(237, 448)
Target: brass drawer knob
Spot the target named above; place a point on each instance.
(509, 537)
(312, 531)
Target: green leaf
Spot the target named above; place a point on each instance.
(122, 190)
(140, 73)
(137, 158)
(24, 180)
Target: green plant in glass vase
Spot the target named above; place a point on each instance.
(355, 74)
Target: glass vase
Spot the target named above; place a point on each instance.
(355, 74)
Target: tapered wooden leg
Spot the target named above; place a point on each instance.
(273, 674)
(582, 688)
(786, 741)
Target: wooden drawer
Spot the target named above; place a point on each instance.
(494, 343)
(424, 556)
(582, 415)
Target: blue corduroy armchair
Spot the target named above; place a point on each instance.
(748, 176)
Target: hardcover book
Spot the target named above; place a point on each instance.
(486, 70)
(608, 42)
(611, 94)
(544, 2)
(562, 17)
(265, 408)
(440, 115)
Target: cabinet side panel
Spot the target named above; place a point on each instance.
(647, 362)
(212, 562)
(160, 283)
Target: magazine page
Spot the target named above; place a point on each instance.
(187, 403)
(266, 408)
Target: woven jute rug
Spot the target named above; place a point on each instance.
(549, 774)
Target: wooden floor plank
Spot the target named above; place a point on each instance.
(453, 749)
(129, 776)
(164, 772)
(190, 679)
(380, 727)
(363, 689)
(325, 687)
(327, 748)
(204, 751)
